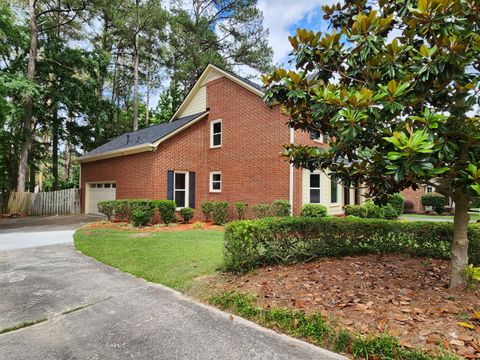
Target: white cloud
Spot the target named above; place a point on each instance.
(279, 15)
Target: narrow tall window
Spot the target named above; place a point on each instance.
(215, 181)
(180, 189)
(315, 188)
(333, 192)
(216, 134)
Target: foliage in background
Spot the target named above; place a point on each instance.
(220, 212)
(260, 210)
(436, 201)
(241, 208)
(280, 208)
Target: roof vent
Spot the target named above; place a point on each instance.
(128, 138)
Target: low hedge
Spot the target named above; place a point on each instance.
(138, 211)
(254, 243)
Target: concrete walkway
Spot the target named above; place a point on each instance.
(91, 311)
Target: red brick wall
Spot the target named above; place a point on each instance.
(415, 197)
(249, 159)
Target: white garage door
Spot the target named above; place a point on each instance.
(99, 192)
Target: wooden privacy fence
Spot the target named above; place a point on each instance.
(61, 202)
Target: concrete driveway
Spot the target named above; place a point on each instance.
(69, 306)
(25, 232)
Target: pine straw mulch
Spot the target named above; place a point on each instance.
(153, 228)
(376, 294)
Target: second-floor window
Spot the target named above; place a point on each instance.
(216, 134)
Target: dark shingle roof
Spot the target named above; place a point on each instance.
(144, 136)
(247, 81)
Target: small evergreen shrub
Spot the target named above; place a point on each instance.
(314, 211)
(107, 208)
(355, 210)
(280, 208)
(389, 212)
(220, 212)
(241, 209)
(374, 211)
(207, 208)
(435, 200)
(123, 212)
(187, 214)
(167, 210)
(198, 225)
(397, 202)
(142, 212)
(260, 210)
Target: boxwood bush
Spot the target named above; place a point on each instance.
(435, 200)
(107, 208)
(142, 211)
(260, 210)
(167, 209)
(280, 208)
(187, 214)
(314, 211)
(241, 208)
(254, 243)
(220, 212)
(207, 208)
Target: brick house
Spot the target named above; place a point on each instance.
(223, 143)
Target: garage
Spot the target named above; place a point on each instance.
(99, 192)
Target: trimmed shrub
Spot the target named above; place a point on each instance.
(397, 202)
(167, 209)
(187, 214)
(408, 206)
(207, 208)
(260, 210)
(373, 211)
(241, 209)
(220, 212)
(254, 243)
(123, 211)
(435, 200)
(355, 210)
(107, 208)
(142, 211)
(280, 208)
(389, 212)
(314, 211)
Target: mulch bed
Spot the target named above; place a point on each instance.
(376, 294)
(154, 228)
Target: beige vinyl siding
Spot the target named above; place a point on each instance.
(333, 209)
(197, 104)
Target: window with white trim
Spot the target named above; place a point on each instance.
(430, 189)
(180, 189)
(317, 136)
(315, 189)
(334, 192)
(216, 181)
(216, 134)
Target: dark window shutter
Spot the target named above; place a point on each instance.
(170, 175)
(191, 190)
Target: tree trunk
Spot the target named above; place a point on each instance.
(135, 84)
(147, 107)
(28, 106)
(67, 163)
(32, 176)
(55, 129)
(460, 239)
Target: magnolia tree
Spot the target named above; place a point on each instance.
(395, 86)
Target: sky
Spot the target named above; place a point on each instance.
(283, 17)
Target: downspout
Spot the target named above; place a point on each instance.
(292, 140)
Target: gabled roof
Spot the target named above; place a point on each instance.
(148, 139)
(141, 140)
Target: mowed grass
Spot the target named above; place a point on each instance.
(171, 258)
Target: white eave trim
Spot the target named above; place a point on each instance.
(199, 83)
(138, 148)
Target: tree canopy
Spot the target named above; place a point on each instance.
(395, 86)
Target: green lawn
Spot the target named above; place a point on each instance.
(474, 216)
(171, 258)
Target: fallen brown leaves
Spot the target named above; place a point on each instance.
(405, 297)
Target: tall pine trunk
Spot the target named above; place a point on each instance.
(460, 239)
(55, 136)
(28, 105)
(135, 84)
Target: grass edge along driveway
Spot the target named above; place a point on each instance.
(171, 258)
